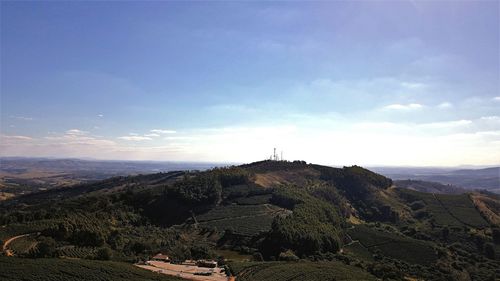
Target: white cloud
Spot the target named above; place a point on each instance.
(100, 115)
(152, 135)
(496, 99)
(446, 124)
(135, 138)
(76, 132)
(17, 138)
(445, 105)
(161, 131)
(404, 107)
(413, 85)
(491, 118)
(24, 118)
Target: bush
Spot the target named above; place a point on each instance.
(200, 252)
(46, 247)
(489, 251)
(104, 254)
(495, 234)
(257, 257)
(417, 205)
(289, 255)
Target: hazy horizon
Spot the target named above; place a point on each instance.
(384, 83)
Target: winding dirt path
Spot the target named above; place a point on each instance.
(9, 252)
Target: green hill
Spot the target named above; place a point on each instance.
(308, 217)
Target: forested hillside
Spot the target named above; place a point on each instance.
(276, 213)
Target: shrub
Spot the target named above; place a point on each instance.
(46, 247)
(489, 251)
(257, 257)
(288, 255)
(495, 233)
(104, 254)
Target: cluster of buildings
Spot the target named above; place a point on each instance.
(200, 263)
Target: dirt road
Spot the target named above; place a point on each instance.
(8, 241)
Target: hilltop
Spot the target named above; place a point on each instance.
(261, 218)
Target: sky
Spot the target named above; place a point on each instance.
(392, 83)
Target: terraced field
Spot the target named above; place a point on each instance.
(245, 220)
(448, 209)
(462, 209)
(22, 245)
(76, 252)
(15, 269)
(393, 246)
(311, 271)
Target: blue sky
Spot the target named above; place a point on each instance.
(340, 83)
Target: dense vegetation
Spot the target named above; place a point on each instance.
(313, 226)
(314, 271)
(15, 269)
(343, 223)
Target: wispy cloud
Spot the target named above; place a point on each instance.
(445, 105)
(152, 135)
(413, 85)
(24, 118)
(161, 131)
(76, 132)
(496, 98)
(446, 124)
(135, 138)
(17, 138)
(404, 107)
(491, 118)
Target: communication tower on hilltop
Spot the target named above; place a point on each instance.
(275, 156)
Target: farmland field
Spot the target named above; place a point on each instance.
(16, 269)
(448, 209)
(394, 246)
(22, 245)
(243, 219)
(312, 271)
(462, 208)
(76, 252)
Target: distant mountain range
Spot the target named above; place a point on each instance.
(484, 178)
(20, 175)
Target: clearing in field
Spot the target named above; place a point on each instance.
(187, 271)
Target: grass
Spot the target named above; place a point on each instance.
(17, 269)
(310, 271)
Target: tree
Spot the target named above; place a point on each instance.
(46, 247)
(104, 254)
(445, 232)
(200, 252)
(496, 235)
(489, 251)
(257, 256)
(288, 255)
